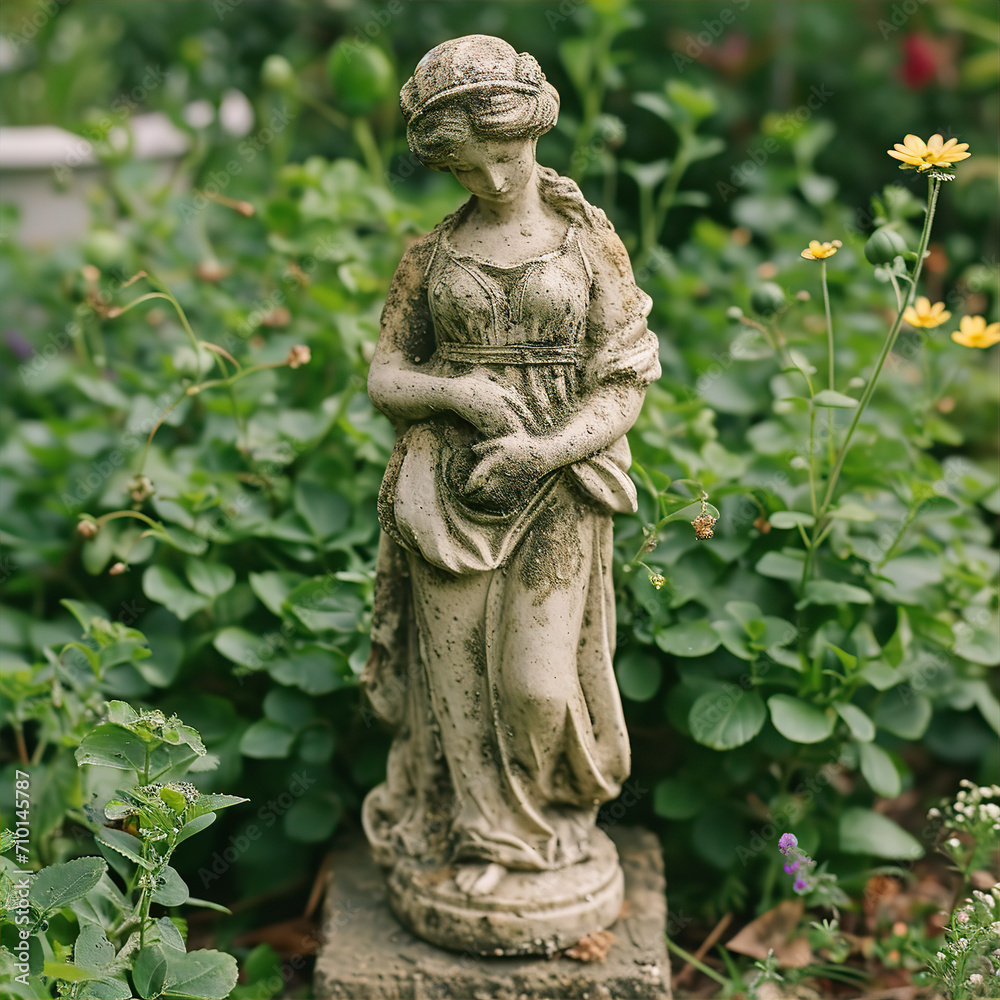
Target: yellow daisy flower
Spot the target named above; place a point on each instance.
(920, 155)
(974, 332)
(817, 250)
(922, 313)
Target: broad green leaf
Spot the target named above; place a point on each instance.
(266, 739)
(110, 986)
(215, 800)
(977, 644)
(675, 798)
(149, 971)
(170, 936)
(93, 951)
(862, 728)
(210, 579)
(324, 511)
(790, 518)
(881, 676)
(696, 638)
(639, 675)
(323, 605)
(182, 539)
(57, 885)
(201, 974)
(273, 588)
(173, 891)
(242, 647)
(784, 565)
(111, 746)
(831, 592)
(727, 718)
(865, 832)
(67, 972)
(903, 712)
(734, 637)
(798, 720)
(121, 713)
(879, 770)
(313, 818)
(313, 670)
(852, 512)
(828, 397)
(162, 585)
(173, 799)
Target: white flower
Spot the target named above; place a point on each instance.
(933, 813)
(975, 979)
(953, 842)
(940, 956)
(985, 792)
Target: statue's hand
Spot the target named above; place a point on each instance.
(506, 461)
(492, 408)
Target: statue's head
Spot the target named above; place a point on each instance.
(474, 87)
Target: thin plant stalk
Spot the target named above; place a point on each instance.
(829, 351)
(933, 189)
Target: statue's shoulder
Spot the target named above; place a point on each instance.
(421, 252)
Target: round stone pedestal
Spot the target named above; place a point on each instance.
(525, 913)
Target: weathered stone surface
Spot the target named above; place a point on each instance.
(367, 955)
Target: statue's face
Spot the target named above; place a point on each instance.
(494, 170)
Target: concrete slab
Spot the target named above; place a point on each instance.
(368, 955)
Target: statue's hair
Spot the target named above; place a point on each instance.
(504, 115)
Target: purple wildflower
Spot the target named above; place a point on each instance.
(791, 866)
(787, 842)
(800, 885)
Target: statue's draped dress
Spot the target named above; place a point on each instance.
(494, 623)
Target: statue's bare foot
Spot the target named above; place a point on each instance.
(477, 880)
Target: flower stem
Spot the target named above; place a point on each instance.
(934, 187)
(830, 362)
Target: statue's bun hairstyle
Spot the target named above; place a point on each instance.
(476, 85)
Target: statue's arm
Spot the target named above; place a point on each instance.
(401, 381)
(622, 357)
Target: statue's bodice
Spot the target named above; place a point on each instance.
(526, 322)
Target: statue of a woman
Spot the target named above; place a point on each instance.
(513, 356)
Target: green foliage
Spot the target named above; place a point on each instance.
(136, 830)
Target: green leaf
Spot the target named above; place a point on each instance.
(201, 974)
(879, 770)
(124, 844)
(639, 675)
(831, 592)
(266, 739)
(163, 586)
(865, 832)
(896, 649)
(111, 746)
(904, 713)
(837, 400)
(273, 588)
(149, 971)
(173, 891)
(312, 669)
(57, 885)
(727, 718)
(852, 512)
(210, 579)
(182, 539)
(93, 951)
(324, 511)
(696, 638)
(7, 841)
(675, 798)
(195, 825)
(240, 646)
(174, 799)
(799, 721)
(313, 818)
(881, 676)
(66, 972)
(111, 986)
(862, 728)
(322, 605)
(790, 518)
(784, 565)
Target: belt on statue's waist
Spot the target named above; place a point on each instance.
(510, 354)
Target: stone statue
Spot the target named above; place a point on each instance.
(513, 357)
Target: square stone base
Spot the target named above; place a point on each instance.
(368, 955)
